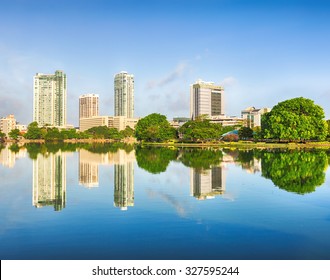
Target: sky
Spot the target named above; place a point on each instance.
(262, 52)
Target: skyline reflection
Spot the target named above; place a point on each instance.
(296, 171)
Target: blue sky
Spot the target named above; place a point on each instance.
(262, 52)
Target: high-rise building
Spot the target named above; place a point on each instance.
(88, 106)
(206, 99)
(49, 99)
(124, 95)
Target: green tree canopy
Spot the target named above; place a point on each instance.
(127, 132)
(2, 135)
(245, 133)
(33, 132)
(295, 119)
(100, 132)
(154, 128)
(200, 130)
(14, 134)
(69, 133)
(53, 134)
(295, 171)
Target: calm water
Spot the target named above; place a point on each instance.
(114, 202)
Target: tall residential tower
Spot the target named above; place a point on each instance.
(49, 99)
(124, 95)
(88, 106)
(206, 99)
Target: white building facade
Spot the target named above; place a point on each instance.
(7, 124)
(50, 99)
(124, 94)
(206, 98)
(252, 116)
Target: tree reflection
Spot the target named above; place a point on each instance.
(201, 159)
(295, 171)
(99, 148)
(155, 159)
(103, 148)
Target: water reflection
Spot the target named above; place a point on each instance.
(89, 167)
(123, 162)
(206, 184)
(124, 179)
(295, 171)
(291, 170)
(9, 156)
(49, 180)
(155, 159)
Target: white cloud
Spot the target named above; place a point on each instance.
(229, 81)
(178, 72)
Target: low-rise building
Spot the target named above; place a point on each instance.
(7, 124)
(252, 116)
(118, 122)
(87, 123)
(226, 121)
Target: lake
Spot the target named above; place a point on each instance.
(94, 201)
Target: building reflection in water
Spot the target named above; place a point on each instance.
(49, 180)
(89, 167)
(123, 179)
(206, 184)
(123, 174)
(8, 157)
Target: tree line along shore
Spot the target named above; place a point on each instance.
(292, 122)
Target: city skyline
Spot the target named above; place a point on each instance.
(262, 53)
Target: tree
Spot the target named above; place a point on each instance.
(113, 133)
(104, 132)
(2, 135)
(69, 134)
(14, 134)
(98, 131)
(245, 133)
(127, 132)
(53, 134)
(295, 119)
(328, 123)
(154, 128)
(257, 133)
(200, 130)
(34, 132)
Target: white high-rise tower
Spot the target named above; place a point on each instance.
(49, 99)
(124, 95)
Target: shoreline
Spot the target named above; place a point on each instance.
(229, 145)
